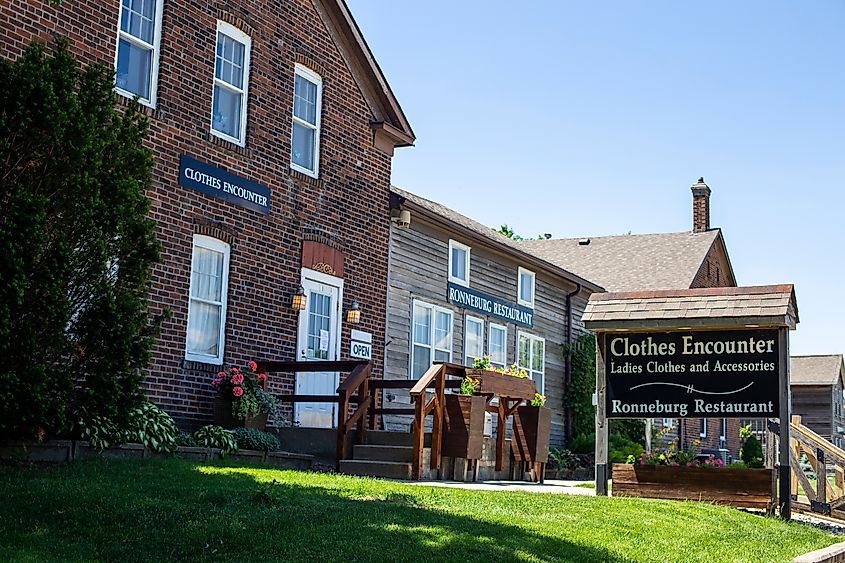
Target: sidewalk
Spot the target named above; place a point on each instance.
(554, 487)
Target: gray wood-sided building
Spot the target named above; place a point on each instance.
(816, 383)
(458, 290)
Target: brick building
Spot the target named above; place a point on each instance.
(686, 260)
(273, 130)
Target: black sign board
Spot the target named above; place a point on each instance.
(489, 305)
(217, 182)
(724, 374)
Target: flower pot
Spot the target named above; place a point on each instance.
(463, 434)
(223, 416)
(744, 487)
(493, 383)
(531, 430)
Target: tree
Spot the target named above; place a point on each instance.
(76, 246)
(508, 232)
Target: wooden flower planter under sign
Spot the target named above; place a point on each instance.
(463, 434)
(223, 416)
(531, 429)
(492, 383)
(744, 487)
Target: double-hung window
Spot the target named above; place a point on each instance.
(458, 263)
(702, 427)
(525, 291)
(432, 337)
(231, 78)
(473, 340)
(136, 60)
(305, 137)
(723, 432)
(531, 357)
(207, 303)
(498, 345)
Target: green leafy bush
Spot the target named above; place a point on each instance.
(186, 440)
(620, 447)
(583, 443)
(151, 426)
(253, 439)
(751, 452)
(212, 436)
(578, 395)
(563, 458)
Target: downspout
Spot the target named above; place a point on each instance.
(568, 360)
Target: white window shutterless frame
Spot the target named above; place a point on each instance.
(231, 84)
(459, 258)
(526, 282)
(138, 47)
(431, 337)
(473, 340)
(305, 132)
(531, 356)
(319, 339)
(497, 345)
(207, 301)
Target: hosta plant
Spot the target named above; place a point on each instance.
(212, 436)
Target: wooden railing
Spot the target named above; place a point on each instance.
(434, 378)
(826, 497)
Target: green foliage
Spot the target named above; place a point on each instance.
(76, 248)
(751, 452)
(538, 400)
(620, 447)
(630, 429)
(245, 388)
(469, 385)
(100, 432)
(151, 426)
(563, 458)
(583, 443)
(212, 436)
(252, 439)
(186, 440)
(578, 395)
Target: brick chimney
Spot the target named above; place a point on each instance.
(700, 206)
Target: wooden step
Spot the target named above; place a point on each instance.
(386, 438)
(372, 452)
(383, 469)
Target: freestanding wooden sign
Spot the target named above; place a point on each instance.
(697, 353)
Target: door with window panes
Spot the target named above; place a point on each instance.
(319, 329)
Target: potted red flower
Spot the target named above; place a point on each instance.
(242, 399)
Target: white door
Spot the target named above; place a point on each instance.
(319, 329)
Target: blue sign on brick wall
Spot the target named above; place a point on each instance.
(216, 182)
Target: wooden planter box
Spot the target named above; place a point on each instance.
(463, 434)
(531, 429)
(492, 383)
(744, 487)
(223, 416)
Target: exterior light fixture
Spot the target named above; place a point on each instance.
(297, 302)
(353, 315)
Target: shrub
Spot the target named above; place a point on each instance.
(151, 426)
(186, 440)
(620, 447)
(212, 436)
(751, 452)
(578, 395)
(563, 458)
(583, 444)
(253, 439)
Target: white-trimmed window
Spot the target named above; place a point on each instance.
(531, 356)
(473, 340)
(525, 287)
(667, 423)
(138, 39)
(702, 427)
(307, 106)
(497, 345)
(432, 337)
(207, 303)
(458, 263)
(723, 432)
(231, 81)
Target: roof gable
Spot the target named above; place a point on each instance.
(816, 370)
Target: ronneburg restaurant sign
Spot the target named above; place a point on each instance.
(487, 304)
(692, 374)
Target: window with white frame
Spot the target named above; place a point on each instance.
(702, 427)
(307, 106)
(525, 289)
(231, 80)
(207, 303)
(459, 263)
(431, 338)
(531, 356)
(497, 345)
(473, 340)
(136, 60)
(667, 423)
(723, 432)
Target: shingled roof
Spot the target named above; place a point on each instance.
(816, 370)
(631, 262)
(491, 236)
(720, 307)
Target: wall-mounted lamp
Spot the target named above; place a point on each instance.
(297, 302)
(353, 315)
(401, 218)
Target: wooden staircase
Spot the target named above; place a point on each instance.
(387, 454)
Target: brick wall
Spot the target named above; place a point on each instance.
(348, 204)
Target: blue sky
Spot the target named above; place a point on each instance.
(594, 118)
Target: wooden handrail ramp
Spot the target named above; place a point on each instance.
(826, 498)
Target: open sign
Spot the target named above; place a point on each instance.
(361, 350)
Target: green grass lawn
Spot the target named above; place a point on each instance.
(157, 510)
